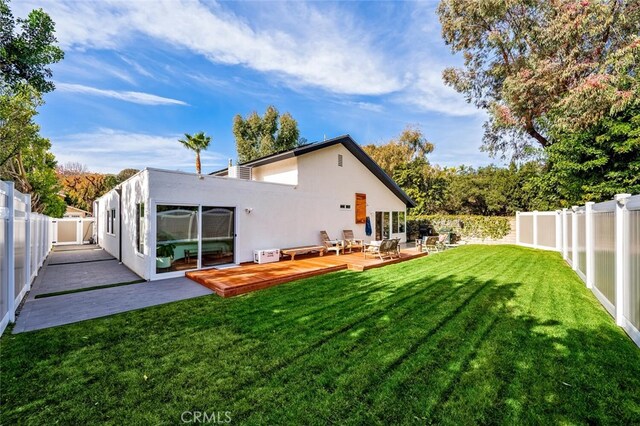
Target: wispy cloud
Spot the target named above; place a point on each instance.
(136, 66)
(109, 151)
(366, 106)
(429, 93)
(320, 51)
(127, 96)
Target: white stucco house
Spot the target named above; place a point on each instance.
(161, 223)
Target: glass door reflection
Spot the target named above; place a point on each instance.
(177, 238)
(218, 236)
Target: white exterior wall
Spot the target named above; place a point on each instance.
(280, 215)
(320, 175)
(109, 242)
(134, 190)
(285, 171)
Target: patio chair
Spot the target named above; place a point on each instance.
(375, 248)
(386, 248)
(331, 245)
(431, 244)
(393, 249)
(351, 242)
(396, 246)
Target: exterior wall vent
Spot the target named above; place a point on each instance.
(240, 172)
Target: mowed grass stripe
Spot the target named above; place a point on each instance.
(366, 381)
(471, 335)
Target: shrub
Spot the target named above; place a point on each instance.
(465, 226)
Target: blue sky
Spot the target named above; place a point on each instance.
(139, 74)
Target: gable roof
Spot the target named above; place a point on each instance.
(350, 145)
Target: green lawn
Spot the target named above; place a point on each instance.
(472, 335)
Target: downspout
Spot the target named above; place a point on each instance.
(119, 192)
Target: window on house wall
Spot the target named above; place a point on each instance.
(108, 221)
(140, 228)
(113, 221)
(345, 206)
(397, 222)
(340, 160)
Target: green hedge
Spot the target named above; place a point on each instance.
(465, 226)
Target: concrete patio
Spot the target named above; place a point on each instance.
(84, 267)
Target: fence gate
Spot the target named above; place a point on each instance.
(73, 230)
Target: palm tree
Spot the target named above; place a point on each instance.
(196, 143)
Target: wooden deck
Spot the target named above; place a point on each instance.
(249, 277)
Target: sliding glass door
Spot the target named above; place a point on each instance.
(218, 235)
(190, 237)
(176, 238)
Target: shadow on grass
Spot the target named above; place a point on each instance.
(474, 337)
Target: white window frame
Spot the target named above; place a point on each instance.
(111, 221)
(140, 228)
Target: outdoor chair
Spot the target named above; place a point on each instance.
(394, 248)
(431, 244)
(351, 242)
(386, 248)
(331, 245)
(397, 246)
(375, 249)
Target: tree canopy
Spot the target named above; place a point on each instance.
(409, 146)
(81, 187)
(540, 66)
(24, 155)
(258, 136)
(488, 190)
(26, 53)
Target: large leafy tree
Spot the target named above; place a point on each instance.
(410, 145)
(24, 154)
(82, 189)
(196, 143)
(258, 136)
(17, 126)
(540, 66)
(595, 164)
(26, 52)
(404, 158)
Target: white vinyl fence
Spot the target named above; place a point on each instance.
(601, 242)
(25, 242)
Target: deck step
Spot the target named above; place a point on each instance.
(251, 277)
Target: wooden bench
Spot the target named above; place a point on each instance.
(293, 251)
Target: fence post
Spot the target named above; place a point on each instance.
(11, 252)
(535, 228)
(558, 231)
(574, 238)
(565, 243)
(589, 242)
(27, 244)
(517, 228)
(621, 253)
(79, 231)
